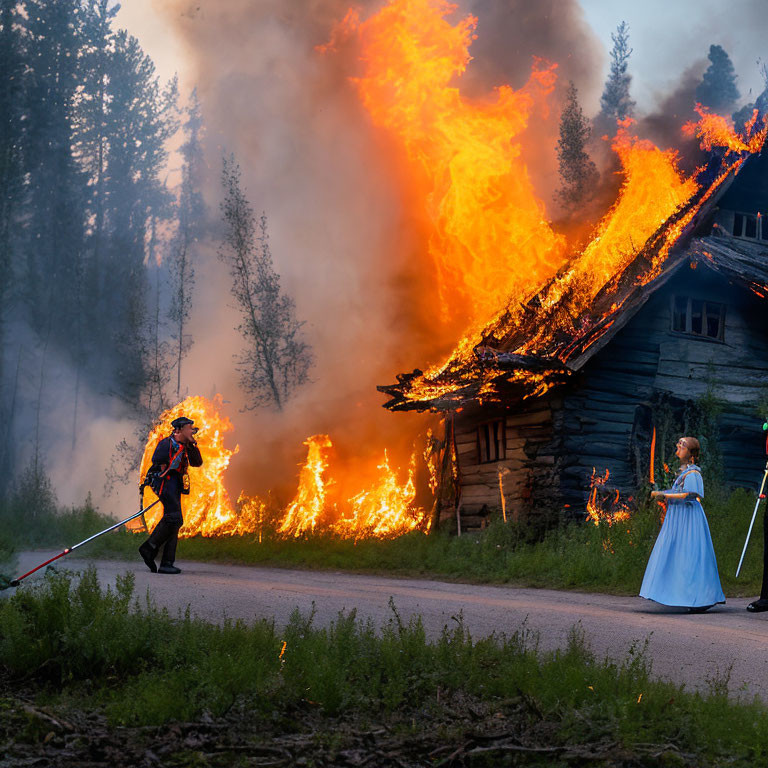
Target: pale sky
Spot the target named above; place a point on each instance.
(667, 36)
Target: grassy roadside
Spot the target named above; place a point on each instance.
(76, 659)
(575, 556)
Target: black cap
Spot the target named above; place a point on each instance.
(182, 421)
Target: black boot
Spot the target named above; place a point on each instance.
(165, 568)
(148, 554)
(758, 606)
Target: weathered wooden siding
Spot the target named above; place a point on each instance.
(554, 443)
(648, 357)
(530, 461)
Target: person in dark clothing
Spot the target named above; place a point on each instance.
(171, 460)
(761, 604)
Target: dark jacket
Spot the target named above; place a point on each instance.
(161, 458)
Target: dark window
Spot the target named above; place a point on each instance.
(698, 317)
(491, 441)
(697, 307)
(748, 225)
(763, 228)
(679, 313)
(713, 312)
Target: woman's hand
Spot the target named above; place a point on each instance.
(656, 494)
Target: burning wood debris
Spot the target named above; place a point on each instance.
(604, 504)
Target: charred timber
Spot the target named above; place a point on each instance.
(532, 363)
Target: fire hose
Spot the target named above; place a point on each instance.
(15, 582)
(760, 497)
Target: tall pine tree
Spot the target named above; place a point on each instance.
(190, 214)
(616, 103)
(717, 89)
(275, 359)
(578, 173)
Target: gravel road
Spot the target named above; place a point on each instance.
(684, 647)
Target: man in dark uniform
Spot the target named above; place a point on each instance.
(171, 460)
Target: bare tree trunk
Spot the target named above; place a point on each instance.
(43, 359)
(181, 298)
(6, 464)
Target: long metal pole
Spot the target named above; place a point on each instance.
(760, 497)
(15, 582)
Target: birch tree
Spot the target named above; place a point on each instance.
(275, 359)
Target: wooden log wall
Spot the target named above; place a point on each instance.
(553, 443)
(531, 474)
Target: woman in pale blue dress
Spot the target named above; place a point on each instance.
(682, 569)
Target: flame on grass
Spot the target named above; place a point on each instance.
(208, 510)
(304, 512)
(603, 504)
(386, 509)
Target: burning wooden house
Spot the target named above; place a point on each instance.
(573, 382)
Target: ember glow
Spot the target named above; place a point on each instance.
(604, 505)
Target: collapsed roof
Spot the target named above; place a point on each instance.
(526, 350)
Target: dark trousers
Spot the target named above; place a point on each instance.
(764, 590)
(166, 532)
(165, 535)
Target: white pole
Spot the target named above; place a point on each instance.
(752, 521)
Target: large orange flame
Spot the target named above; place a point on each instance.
(386, 509)
(305, 511)
(718, 131)
(208, 509)
(652, 191)
(488, 228)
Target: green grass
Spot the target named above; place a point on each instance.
(77, 644)
(574, 556)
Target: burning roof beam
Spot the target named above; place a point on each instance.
(550, 339)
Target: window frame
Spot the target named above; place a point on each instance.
(761, 231)
(689, 332)
(500, 443)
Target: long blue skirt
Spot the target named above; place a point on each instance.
(682, 569)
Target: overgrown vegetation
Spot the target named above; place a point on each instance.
(574, 556)
(73, 647)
